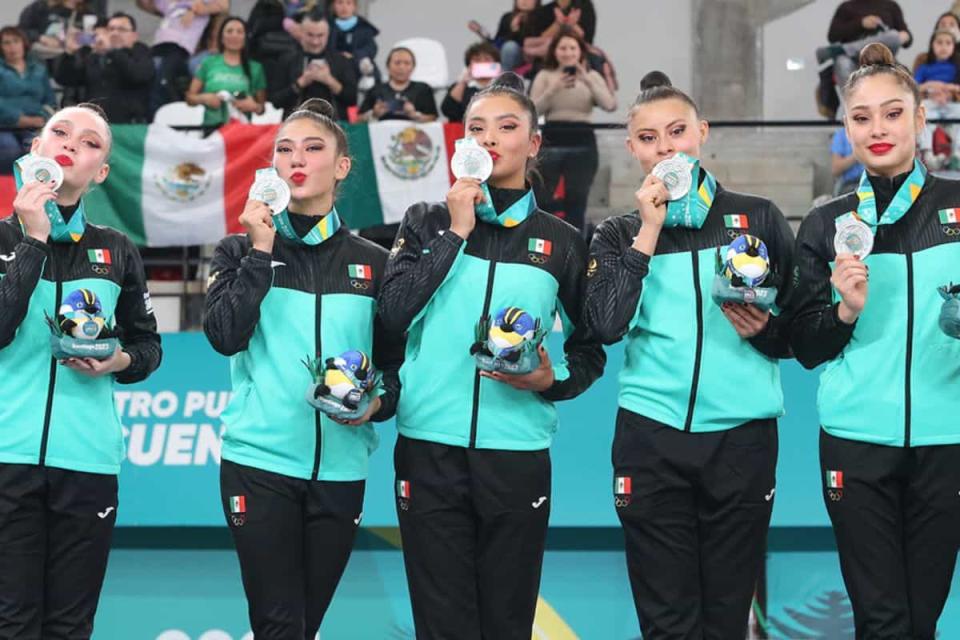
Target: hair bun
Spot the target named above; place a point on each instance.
(320, 107)
(655, 79)
(877, 54)
(509, 80)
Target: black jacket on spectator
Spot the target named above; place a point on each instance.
(360, 41)
(847, 25)
(118, 80)
(534, 25)
(266, 35)
(419, 93)
(36, 18)
(453, 110)
(283, 92)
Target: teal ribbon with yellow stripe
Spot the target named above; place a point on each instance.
(691, 211)
(326, 227)
(60, 229)
(906, 195)
(513, 216)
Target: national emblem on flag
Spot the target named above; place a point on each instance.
(238, 504)
(737, 221)
(622, 486)
(403, 489)
(834, 479)
(99, 256)
(360, 271)
(541, 246)
(949, 216)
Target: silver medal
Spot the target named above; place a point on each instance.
(676, 176)
(853, 236)
(40, 169)
(271, 189)
(470, 160)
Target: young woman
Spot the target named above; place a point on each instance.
(60, 437)
(566, 92)
(297, 285)
(472, 459)
(400, 98)
(889, 448)
(233, 72)
(695, 449)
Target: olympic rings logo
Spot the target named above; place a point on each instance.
(621, 501)
(537, 259)
(362, 286)
(100, 269)
(733, 234)
(950, 231)
(835, 494)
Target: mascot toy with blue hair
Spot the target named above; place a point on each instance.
(80, 329)
(744, 275)
(343, 386)
(508, 342)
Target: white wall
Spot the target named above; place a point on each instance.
(790, 94)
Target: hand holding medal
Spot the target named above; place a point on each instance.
(41, 177)
(471, 165)
(269, 195)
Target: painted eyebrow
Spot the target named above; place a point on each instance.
(882, 104)
(677, 121)
(305, 139)
(505, 116)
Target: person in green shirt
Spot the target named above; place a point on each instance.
(230, 71)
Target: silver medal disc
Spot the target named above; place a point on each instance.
(470, 160)
(272, 190)
(40, 169)
(676, 176)
(853, 236)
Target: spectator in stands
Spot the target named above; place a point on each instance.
(118, 79)
(208, 43)
(857, 23)
(565, 92)
(49, 23)
(400, 98)
(946, 22)
(528, 19)
(355, 38)
(843, 164)
(576, 15)
(481, 65)
(275, 29)
(175, 40)
(26, 99)
(937, 80)
(229, 84)
(314, 70)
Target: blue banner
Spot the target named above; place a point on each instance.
(172, 429)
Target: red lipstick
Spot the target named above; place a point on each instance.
(63, 160)
(880, 148)
(298, 177)
(494, 155)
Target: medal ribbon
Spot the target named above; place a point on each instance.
(60, 229)
(691, 210)
(513, 216)
(328, 225)
(905, 197)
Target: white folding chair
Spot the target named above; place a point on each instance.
(431, 61)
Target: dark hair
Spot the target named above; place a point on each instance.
(656, 86)
(511, 85)
(324, 114)
(944, 15)
(17, 33)
(536, 5)
(482, 48)
(401, 50)
(244, 55)
(877, 59)
(127, 16)
(564, 32)
(931, 58)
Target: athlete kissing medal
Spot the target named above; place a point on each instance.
(676, 176)
(271, 189)
(470, 160)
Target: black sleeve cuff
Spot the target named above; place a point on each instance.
(636, 262)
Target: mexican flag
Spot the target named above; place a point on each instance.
(172, 188)
(834, 479)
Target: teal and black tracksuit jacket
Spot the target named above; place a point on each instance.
(438, 287)
(270, 312)
(51, 415)
(891, 378)
(685, 366)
